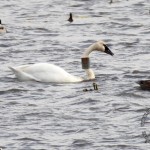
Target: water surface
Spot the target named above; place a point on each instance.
(50, 116)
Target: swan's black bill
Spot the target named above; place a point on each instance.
(108, 51)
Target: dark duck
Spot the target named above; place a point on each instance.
(70, 18)
(144, 84)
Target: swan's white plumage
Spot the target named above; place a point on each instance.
(45, 72)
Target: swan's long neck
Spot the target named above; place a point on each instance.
(90, 73)
(88, 51)
(85, 55)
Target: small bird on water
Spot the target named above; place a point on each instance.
(111, 1)
(144, 84)
(2, 28)
(70, 18)
(95, 86)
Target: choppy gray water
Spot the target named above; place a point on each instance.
(39, 116)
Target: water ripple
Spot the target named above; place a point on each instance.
(45, 116)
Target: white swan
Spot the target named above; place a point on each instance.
(45, 72)
(2, 28)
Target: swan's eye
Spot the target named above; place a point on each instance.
(107, 50)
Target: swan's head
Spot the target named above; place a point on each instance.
(101, 46)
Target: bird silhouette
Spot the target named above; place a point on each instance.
(70, 18)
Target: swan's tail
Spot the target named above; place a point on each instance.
(13, 69)
(23, 76)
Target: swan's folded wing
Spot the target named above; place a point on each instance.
(23, 76)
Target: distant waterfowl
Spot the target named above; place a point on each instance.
(2, 28)
(95, 87)
(45, 72)
(144, 84)
(111, 1)
(70, 18)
